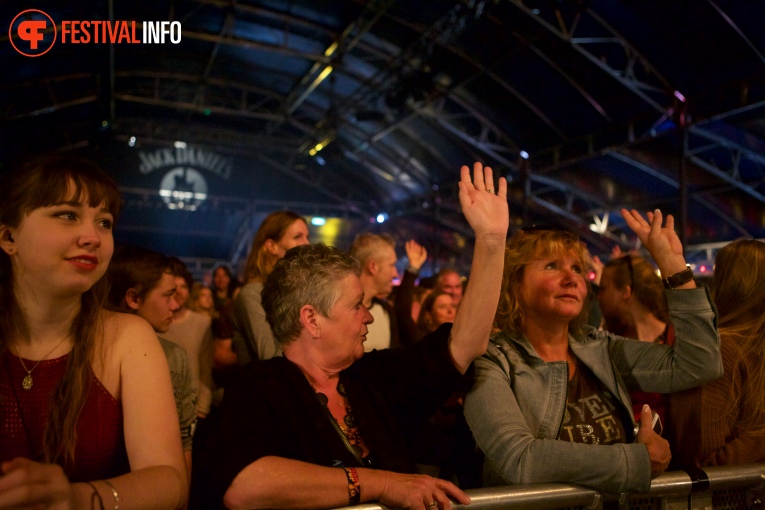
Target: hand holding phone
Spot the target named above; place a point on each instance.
(658, 447)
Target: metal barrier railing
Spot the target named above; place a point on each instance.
(714, 488)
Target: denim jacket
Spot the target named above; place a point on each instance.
(515, 408)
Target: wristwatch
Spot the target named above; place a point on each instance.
(678, 279)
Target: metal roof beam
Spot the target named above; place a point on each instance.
(625, 76)
(353, 206)
(729, 144)
(720, 174)
(667, 180)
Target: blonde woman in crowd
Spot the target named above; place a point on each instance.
(550, 402)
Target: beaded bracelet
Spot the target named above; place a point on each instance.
(114, 493)
(95, 497)
(354, 488)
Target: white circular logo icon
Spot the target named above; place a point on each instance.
(183, 188)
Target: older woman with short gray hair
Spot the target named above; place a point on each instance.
(325, 425)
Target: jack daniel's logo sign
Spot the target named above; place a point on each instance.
(184, 187)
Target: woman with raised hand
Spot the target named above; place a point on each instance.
(279, 232)
(326, 425)
(550, 402)
(87, 417)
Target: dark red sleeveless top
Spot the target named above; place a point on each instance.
(100, 450)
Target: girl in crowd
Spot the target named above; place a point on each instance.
(224, 286)
(631, 299)
(437, 309)
(724, 421)
(550, 402)
(201, 301)
(279, 232)
(86, 405)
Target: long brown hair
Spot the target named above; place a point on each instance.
(739, 293)
(425, 319)
(260, 263)
(523, 248)
(637, 272)
(41, 183)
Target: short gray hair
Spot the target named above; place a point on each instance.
(307, 275)
(369, 246)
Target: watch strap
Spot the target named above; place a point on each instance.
(678, 279)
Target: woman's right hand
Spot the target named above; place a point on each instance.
(417, 492)
(658, 447)
(28, 484)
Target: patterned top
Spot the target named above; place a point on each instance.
(590, 415)
(100, 450)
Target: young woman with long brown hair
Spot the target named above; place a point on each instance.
(86, 407)
(279, 232)
(723, 422)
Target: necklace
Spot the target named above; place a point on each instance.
(324, 400)
(27, 382)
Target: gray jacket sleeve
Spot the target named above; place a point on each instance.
(252, 333)
(692, 361)
(515, 456)
(184, 390)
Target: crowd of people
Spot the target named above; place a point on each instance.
(317, 384)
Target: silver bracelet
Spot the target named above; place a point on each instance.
(114, 493)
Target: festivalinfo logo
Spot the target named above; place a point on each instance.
(33, 32)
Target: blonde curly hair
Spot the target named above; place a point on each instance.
(521, 249)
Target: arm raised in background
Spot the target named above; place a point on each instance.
(407, 329)
(488, 216)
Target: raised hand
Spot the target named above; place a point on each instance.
(416, 253)
(661, 242)
(486, 212)
(420, 492)
(28, 484)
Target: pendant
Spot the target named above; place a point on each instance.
(27, 382)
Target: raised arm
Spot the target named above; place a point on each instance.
(407, 329)
(287, 483)
(661, 242)
(488, 216)
(695, 357)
